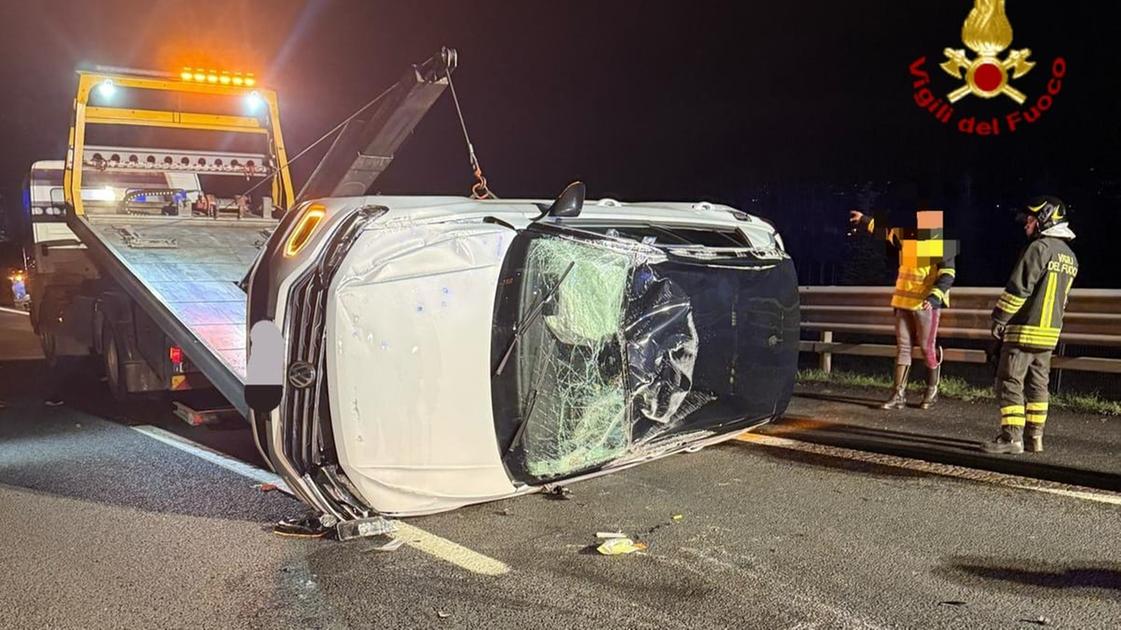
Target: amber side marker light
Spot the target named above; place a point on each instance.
(304, 229)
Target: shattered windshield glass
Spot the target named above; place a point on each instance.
(606, 348)
(570, 362)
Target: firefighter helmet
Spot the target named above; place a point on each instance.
(1048, 212)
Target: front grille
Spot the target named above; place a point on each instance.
(305, 412)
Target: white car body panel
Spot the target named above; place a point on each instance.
(410, 314)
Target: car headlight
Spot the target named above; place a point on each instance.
(300, 235)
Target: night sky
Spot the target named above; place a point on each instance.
(796, 111)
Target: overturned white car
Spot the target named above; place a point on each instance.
(443, 351)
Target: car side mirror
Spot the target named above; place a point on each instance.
(569, 203)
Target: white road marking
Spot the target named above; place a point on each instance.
(411, 535)
(214, 457)
(1082, 494)
(945, 470)
(16, 311)
(449, 551)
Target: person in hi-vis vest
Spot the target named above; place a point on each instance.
(922, 290)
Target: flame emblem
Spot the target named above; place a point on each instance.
(987, 32)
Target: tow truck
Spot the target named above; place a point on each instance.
(401, 355)
(172, 182)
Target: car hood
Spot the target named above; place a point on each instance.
(411, 401)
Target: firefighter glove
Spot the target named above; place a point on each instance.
(998, 330)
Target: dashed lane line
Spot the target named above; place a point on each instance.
(945, 470)
(449, 551)
(413, 536)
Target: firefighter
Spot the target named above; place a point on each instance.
(1027, 319)
(922, 290)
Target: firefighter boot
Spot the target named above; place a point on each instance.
(933, 377)
(1033, 437)
(1009, 442)
(898, 398)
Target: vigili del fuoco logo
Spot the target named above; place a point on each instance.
(991, 73)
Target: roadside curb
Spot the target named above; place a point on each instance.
(933, 450)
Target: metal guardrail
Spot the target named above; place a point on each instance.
(1092, 320)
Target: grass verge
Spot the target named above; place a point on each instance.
(956, 388)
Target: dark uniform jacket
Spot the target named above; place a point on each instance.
(1033, 303)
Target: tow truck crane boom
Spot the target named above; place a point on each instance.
(366, 145)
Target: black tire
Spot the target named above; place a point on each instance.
(111, 360)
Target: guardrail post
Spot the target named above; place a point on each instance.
(826, 356)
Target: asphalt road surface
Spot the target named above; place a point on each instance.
(102, 526)
(16, 339)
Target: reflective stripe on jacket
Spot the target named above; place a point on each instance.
(916, 284)
(1033, 303)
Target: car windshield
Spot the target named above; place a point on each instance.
(605, 347)
(570, 357)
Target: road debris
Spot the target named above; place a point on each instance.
(365, 527)
(603, 535)
(1039, 621)
(302, 527)
(620, 546)
(678, 517)
(952, 602)
(265, 487)
(443, 615)
(558, 493)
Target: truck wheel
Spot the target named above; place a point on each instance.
(110, 354)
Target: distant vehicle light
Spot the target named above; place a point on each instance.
(105, 193)
(304, 229)
(106, 88)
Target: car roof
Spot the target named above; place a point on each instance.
(424, 208)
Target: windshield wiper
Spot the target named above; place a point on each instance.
(523, 422)
(533, 314)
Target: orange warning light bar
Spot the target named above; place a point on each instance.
(224, 77)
